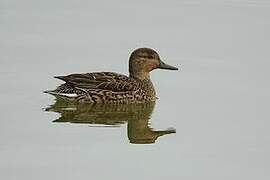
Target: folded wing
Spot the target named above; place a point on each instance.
(100, 80)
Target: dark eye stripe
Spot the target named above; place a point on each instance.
(143, 56)
(148, 57)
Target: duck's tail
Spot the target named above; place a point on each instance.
(59, 94)
(52, 92)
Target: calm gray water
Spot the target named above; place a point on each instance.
(218, 102)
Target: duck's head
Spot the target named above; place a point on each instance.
(143, 60)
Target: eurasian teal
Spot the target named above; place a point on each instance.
(110, 87)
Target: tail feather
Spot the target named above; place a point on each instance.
(63, 78)
(60, 94)
(52, 92)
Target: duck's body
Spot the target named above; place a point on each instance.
(109, 87)
(104, 87)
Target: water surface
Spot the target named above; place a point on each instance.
(218, 101)
(136, 116)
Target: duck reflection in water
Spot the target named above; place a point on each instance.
(136, 116)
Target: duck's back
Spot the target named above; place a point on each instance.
(104, 87)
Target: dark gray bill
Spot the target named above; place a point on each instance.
(166, 66)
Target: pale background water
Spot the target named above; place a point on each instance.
(218, 102)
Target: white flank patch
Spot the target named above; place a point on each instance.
(69, 109)
(68, 95)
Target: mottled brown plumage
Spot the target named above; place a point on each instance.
(109, 87)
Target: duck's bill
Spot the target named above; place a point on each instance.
(166, 66)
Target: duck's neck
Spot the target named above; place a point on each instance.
(145, 84)
(140, 75)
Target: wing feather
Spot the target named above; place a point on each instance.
(100, 80)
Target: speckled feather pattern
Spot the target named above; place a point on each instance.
(105, 87)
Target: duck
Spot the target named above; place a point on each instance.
(114, 88)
